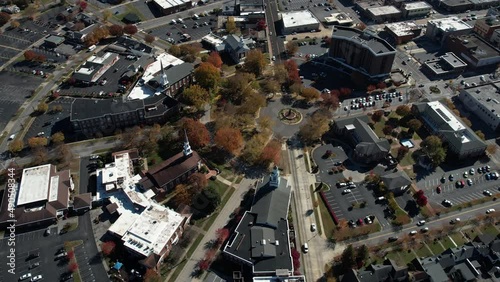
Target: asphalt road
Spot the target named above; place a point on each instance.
(272, 19)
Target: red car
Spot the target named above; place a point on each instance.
(360, 222)
(438, 189)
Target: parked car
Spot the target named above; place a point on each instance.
(313, 227)
(305, 248)
(36, 264)
(469, 182)
(32, 256)
(392, 239)
(346, 191)
(413, 232)
(420, 223)
(425, 229)
(36, 278)
(438, 189)
(488, 211)
(447, 203)
(25, 276)
(455, 221)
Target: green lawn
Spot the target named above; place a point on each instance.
(131, 9)
(378, 128)
(402, 257)
(489, 229)
(316, 210)
(447, 243)
(422, 251)
(458, 238)
(218, 186)
(194, 246)
(177, 271)
(407, 159)
(328, 224)
(435, 247)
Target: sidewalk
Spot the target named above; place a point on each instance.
(221, 220)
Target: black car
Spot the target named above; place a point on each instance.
(392, 239)
(66, 276)
(32, 256)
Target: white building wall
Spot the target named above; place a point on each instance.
(485, 114)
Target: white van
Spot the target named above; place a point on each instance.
(92, 48)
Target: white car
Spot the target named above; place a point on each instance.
(414, 232)
(488, 211)
(420, 223)
(36, 278)
(456, 220)
(274, 58)
(425, 229)
(313, 227)
(487, 193)
(346, 191)
(25, 276)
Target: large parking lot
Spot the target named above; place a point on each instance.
(172, 32)
(50, 123)
(112, 75)
(34, 243)
(340, 202)
(16, 88)
(460, 195)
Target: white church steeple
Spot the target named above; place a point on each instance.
(163, 81)
(187, 148)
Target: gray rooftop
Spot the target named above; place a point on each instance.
(479, 48)
(446, 63)
(396, 180)
(365, 38)
(55, 39)
(261, 237)
(487, 95)
(176, 73)
(368, 142)
(83, 108)
(457, 3)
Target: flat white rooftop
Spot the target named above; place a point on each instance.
(165, 4)
(402, 28)
(450, 24)
(446, 115)
(99, 59)
(416, 5)
(142, 91)
(34, 185)
(152, 230)
(299, 18)
(384, 10)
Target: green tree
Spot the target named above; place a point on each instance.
(348, 258)
(433, 148)
(16, 146)
(309, 94)
(42, 107)
(175, 51)
(271, 86)
(231, 25)
(480, 134)
(238, 87)
(291, 47)
(196, 96)
(255, 62)
(57, 138)
(315, 126)
(207, 200)
(207, 76)
(363, 253)
(414, 124)
(403, 110)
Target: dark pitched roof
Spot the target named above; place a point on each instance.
(82, 201)
(368, 142)
(63, 190)
(396, 180)
(112, 208)
(170, 169)
(261, 237)
(176, 73)
(83, 108)
(270, 203)
(484, 238)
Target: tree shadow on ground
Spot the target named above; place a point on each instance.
(412, 208)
